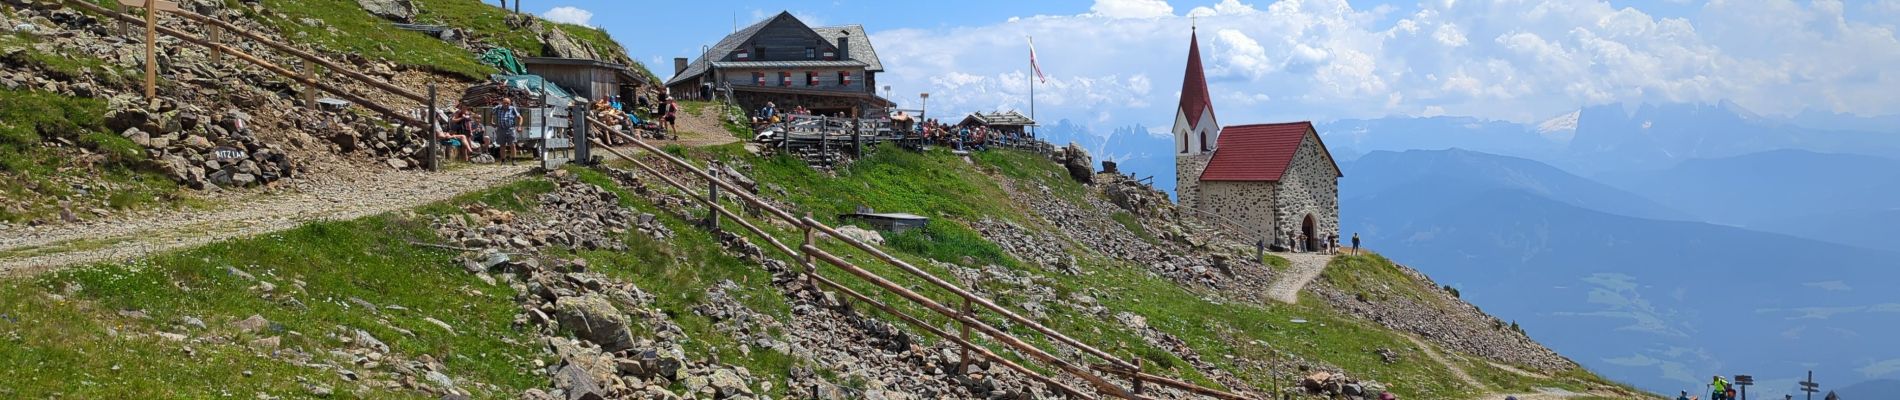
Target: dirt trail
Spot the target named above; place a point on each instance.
(27, 251)
(1440, 358)
(1304, 267)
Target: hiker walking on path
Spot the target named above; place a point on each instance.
(672, 115)
(1355, 243)
(1721, 389)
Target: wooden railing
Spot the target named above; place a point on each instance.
(307, 78)
(809, 256)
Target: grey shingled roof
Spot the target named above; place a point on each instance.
(1009, 118)
(861, 49)
(787, 64)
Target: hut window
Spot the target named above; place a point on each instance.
(844, 78)
(784, 78)
(810, 53)
(743, 55)
(811, 78)
(758, 78)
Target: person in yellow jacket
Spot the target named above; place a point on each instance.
(1721, 389)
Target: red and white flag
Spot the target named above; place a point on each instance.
(1033, 65)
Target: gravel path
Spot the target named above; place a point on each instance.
(1303, 268)
(27, 251)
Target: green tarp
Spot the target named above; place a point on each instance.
(503, 59)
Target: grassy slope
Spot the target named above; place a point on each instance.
(34, 176)
(359, 32)
(64, 346)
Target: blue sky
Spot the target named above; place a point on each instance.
(1116, 63)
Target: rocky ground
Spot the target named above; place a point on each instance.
(1447, 321)
(1174, 254)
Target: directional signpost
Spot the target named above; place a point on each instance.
(1809, 386)
(1744, 381)
(152, 7)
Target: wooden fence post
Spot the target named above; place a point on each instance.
(217, 37)
(810, 266)
(712, 193)
(1135, 378)
(435, 151)
(309, 90)
(964, 361)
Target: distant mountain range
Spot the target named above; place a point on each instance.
(1656, 303)
(1845, 198)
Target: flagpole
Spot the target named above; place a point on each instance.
(1032, 85)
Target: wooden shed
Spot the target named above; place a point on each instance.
(591, 79)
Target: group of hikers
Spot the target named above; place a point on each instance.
(1301, 243)
(467, 137)
(624, 118)
(975, 138)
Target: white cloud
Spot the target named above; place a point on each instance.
(1132, 8)
(569, 14)
(1237, 54)
(1449, 35)
(1325, 59)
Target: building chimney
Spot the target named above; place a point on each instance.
(844, 48)
(679, 65)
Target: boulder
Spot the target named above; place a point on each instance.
(125, 112)
(593, 317)
(1078, 163)
(578, 383)
(138, 137)
(196, 142)
(861, 234)
(561, 45)
(256, 323)
(394, 10)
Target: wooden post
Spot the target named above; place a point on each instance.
(151, 50)
(965, 359)
(712, 194)
(435, 151)
(217, 37)
(1135, 378)
(810, 266)
(310, 91)
(124, 29)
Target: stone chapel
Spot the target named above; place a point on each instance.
(1276, 180)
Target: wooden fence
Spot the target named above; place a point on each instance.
(809, 256)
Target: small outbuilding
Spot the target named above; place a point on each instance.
(590, 79)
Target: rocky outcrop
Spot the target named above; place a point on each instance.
(557, 43)
(197, 148)
(1076, 160)
(393, 10)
